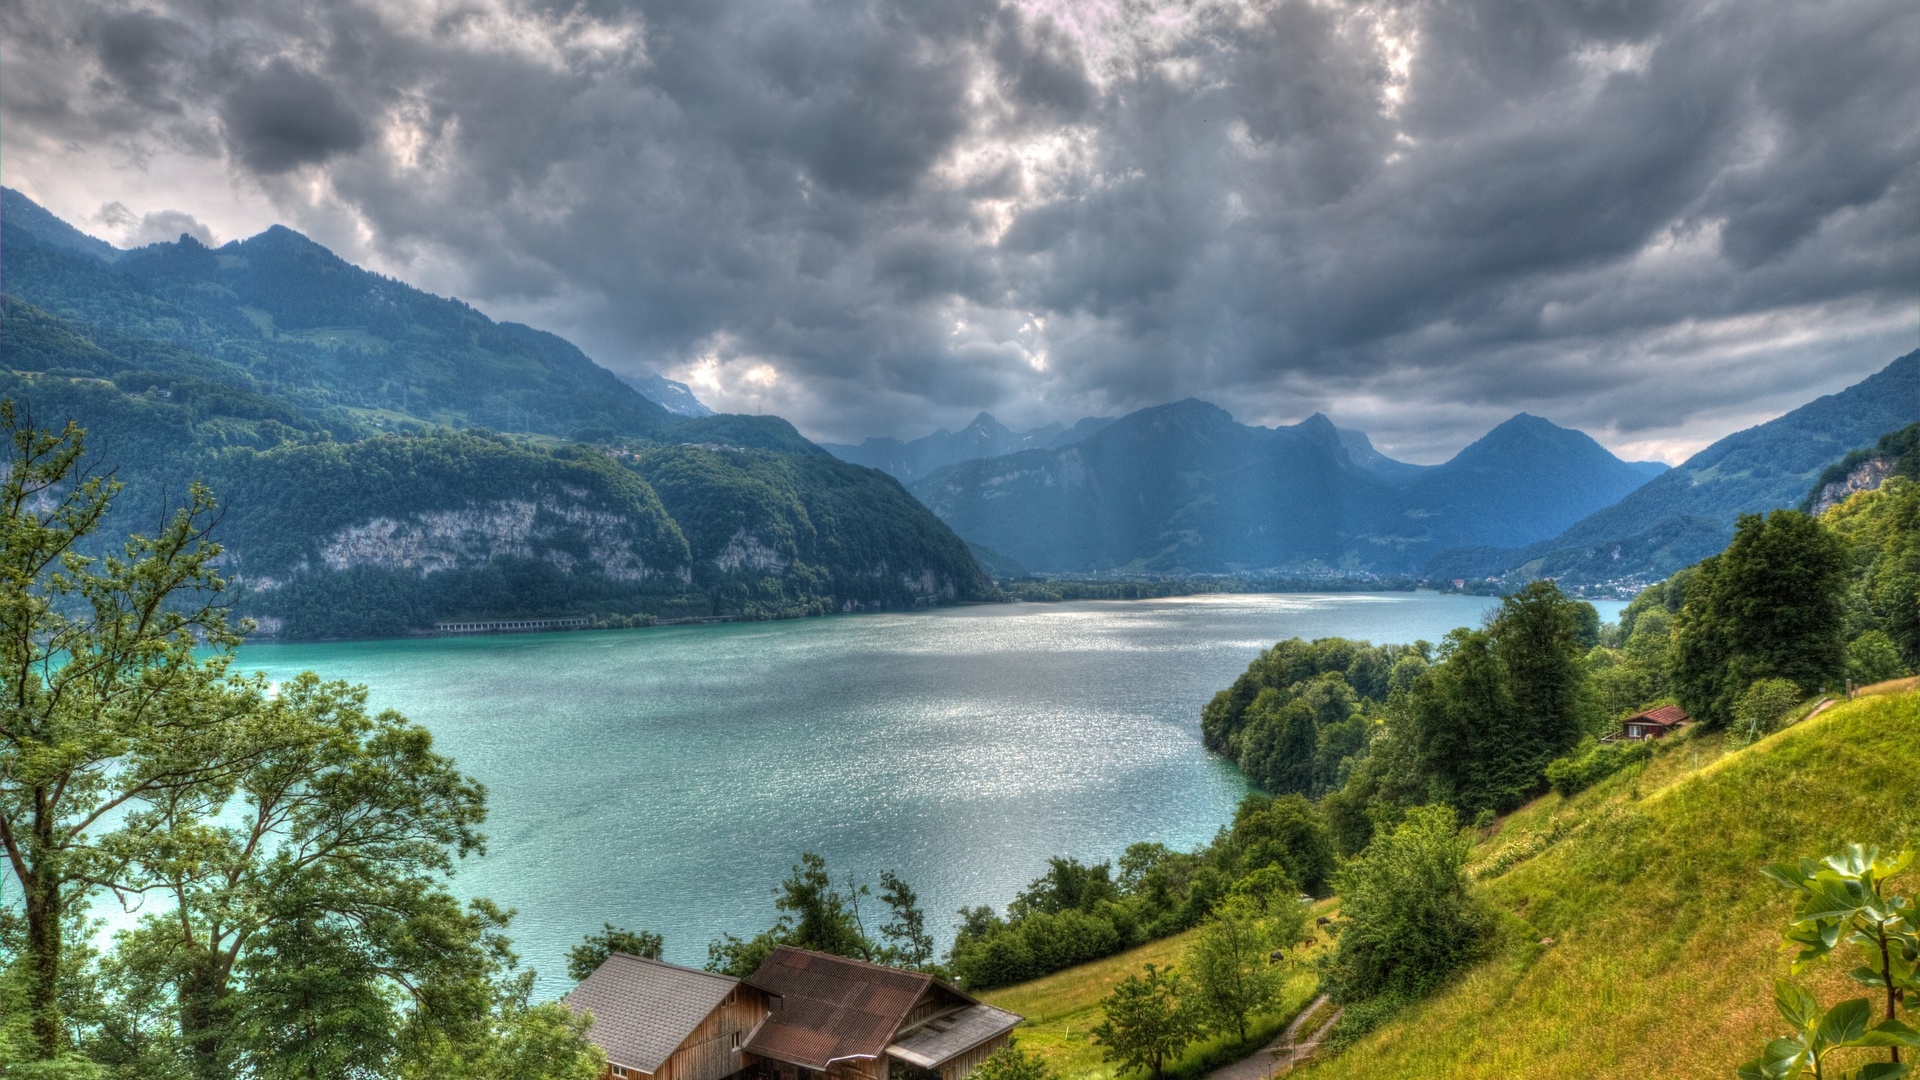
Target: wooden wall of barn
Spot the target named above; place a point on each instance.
(712, 1051)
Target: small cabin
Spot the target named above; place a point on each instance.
(844, 1019)
(1653, 724)
(660, 1021)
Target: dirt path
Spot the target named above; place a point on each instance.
(1278, 1056)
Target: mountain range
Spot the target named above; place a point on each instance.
(1183, 488)
(387, 459)
(1689, 513)
(984, 438)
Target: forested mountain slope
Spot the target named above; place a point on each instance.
(1688, 513)
(338, 416)
(1185, 488)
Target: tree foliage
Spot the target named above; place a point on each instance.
(819, 914)
(1229, 959)
(1147, 1020)
(1769, 606)
(583, 959)
(299, 844)
(1845, 899)
(1407, 918)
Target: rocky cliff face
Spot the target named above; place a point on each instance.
(566, 534)
(1866, 476)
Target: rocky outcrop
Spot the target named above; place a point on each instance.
(746, 550)
(562, 532)
(1866, 476)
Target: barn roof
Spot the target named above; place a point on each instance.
(1665, 716)
(933, 1043)
(833, 1008)
(644, 1009)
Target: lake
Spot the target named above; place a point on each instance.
(667, 778)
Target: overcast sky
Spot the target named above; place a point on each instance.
(1655, 220)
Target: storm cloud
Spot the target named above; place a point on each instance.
(1657, 220)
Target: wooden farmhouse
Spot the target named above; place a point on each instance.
(802, 1016)
(1653, 724)
(666, 1022)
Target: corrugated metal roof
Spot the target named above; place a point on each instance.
(832, 1007)
(644, 1009)
(938, 1040)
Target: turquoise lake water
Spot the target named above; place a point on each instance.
(665, 779)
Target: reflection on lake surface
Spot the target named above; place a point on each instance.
(665, 779)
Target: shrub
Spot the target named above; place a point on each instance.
(1409, 921)
(1764, 705)
(1872, 657)
(1593, 762)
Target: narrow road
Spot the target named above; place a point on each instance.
(1278, 1056)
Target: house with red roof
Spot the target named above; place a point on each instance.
(801, 1015)
(1654, 723)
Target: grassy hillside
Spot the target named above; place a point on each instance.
(1061, 1009)
(1664, 938)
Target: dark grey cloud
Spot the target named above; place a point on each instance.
(1655, 219)
(280, 118)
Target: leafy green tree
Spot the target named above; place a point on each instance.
(1012, 1063)
(1465, 734)
(1287, 832)
(1068, 885)
(907, 942)
(344, 826)
(1277, 748)
(1233, 977)
(1540, 636)
(1147, 1021)
(583, 959)
(817, 914)
(1881, 532)
(107, 699)
(1408, 920)
(1769, 606)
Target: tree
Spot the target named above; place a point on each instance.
(1465, 734)
(328, 848)
(1287, 832)
(1277, 747)
(584, 958)
(1540, 636)
(106, 700)
(1068, 885)
(1769, 606)
(1012, 1063)
(1146, 1022)
(907, 942)
(817, 914)
(1228, 960)
(1407, 918)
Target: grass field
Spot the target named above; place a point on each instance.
(1642, 940)
(1061, 1009)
